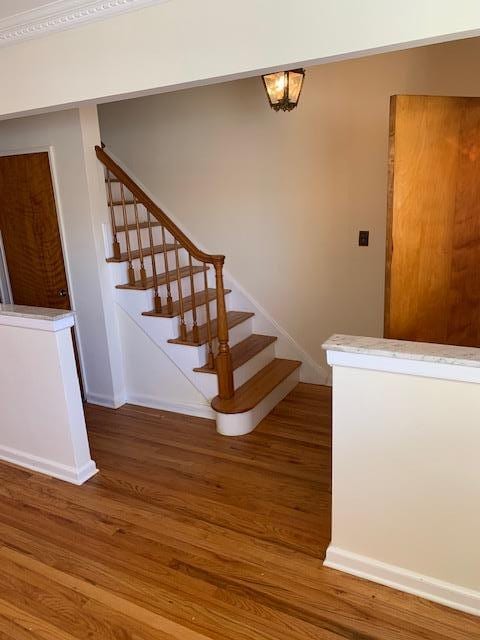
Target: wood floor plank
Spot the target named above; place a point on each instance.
(186, 535)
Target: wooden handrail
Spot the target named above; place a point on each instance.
(223, 359)
(155, 210)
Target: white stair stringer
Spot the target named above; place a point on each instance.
(240, 375)
(160, 330)
(239, 424)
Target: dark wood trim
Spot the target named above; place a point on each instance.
(389, 229)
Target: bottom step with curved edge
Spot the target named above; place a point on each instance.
(255, 399)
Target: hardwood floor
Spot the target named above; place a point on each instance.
(188, 535)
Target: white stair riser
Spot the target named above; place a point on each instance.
(129, 214)
(120, 276)
(188, 358)
(254, 365)
(239, 424)
(144, 237)
(159, 263)
(171, 326)
(240, 375)
(140, 301)
(236, 335)
(135, 302)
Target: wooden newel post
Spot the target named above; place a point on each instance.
(224, 359)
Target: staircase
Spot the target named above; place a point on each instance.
(175, 292)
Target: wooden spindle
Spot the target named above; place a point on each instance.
(167, 273)
(143, 273)
(116, 245)
(157, 303)
(194, 302)
(210, 357)
(131, 271)
(224, 358)
(183, 326)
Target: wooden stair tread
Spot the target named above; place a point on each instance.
(200, 300)
(133, 226)
(146, 253)
(119, 203)
(244, 351)
(162, 278)
(257, 388)
(233, 318)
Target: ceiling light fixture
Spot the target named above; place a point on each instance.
(283, 88)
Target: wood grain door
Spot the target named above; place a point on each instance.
(30, 233)
(432, 289)
(31, 236)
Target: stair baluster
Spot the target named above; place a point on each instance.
(116, 244)
(223, 360)
(131, 270)
(143, 273)
(167, 273)
(183, 326)
(157, 303)
(210, 357)
(194, 302)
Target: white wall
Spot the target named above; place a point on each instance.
(71, 135)
(284, 195)
(42, 426)
(151, 378)
(190, 41)
(405, 479)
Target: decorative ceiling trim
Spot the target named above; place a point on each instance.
(63, 14)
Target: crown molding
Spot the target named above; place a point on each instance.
(63, 14)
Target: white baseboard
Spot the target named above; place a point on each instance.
(197, 410)
(111, 402)
(74, 475)
(444, 593)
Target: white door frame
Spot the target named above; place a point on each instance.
(50, 150)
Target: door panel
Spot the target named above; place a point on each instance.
(31, 237)
(433, 231)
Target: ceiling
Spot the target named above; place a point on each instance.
(9, 8)
(20, 19)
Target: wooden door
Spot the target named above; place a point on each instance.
(432, 289)
(31, 236)
(29, 228)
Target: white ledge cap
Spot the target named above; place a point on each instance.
(405, 350)
(423, 359)
(40, 318)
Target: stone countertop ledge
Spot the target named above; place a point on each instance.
(405, 350)
(40, 318)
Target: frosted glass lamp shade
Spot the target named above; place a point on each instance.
(283, 88)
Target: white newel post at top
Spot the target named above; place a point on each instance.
(42, 424)
(406, 466)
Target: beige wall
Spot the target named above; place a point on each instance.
(284, 195)
(190, 41)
